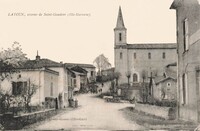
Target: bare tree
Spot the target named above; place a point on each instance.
(28, 93)
(128, 75)
(102, 63)
(117, 76)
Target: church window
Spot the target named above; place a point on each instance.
(135, 78)
(186, 33)
(120, 36)
(163, 55)
(121, 55)
(149, 55)
(134, 55)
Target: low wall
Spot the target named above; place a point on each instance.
(11, 122)
(168, 113)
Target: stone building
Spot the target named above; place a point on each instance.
(188, 49)
(91, 70)
(64, 78)
(45, 80)
(165, 87)
(139, 60)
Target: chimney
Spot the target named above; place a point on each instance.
(61, 62)
(37, 57)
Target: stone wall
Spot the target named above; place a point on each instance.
(162, 112)
(11, 122)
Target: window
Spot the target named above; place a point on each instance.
(74, 82)
(185, 33)
(163, 55)
(19, 88)
(134, 55)
(121, 55)
(168, 84)
(71, 82)
(184, 86)
(135, 78)
(149, 55)
(92, 73)
(120, 36)
(51, 90)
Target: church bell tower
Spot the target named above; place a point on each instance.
(120, 30)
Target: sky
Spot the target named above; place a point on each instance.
(75, 38)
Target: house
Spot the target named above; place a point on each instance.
(164, 87)
(138, 60)
(45, 80)
(81, 80)
(91, 70)
(64, 78)
(188, 49)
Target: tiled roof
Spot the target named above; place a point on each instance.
(78, 69)
(41, 63)
(81, 65)
(158, 79)
(170, 73)
(152, 46)
(162, 80)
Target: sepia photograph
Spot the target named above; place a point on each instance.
(100, 65)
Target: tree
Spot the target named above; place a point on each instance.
(101, 63)
(10, 60)
(128, 75)
(28, 93)
(117, 75)
(144, 91)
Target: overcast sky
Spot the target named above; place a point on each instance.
(80, 39)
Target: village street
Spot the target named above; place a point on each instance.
(92, 113)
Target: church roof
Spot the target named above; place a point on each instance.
(120, 21)
(152, 46)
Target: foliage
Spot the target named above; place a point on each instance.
(10, 60)
(109, 77)
(101, 63)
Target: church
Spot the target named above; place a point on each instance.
(139, 61)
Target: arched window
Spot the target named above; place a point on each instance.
(135, 77)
